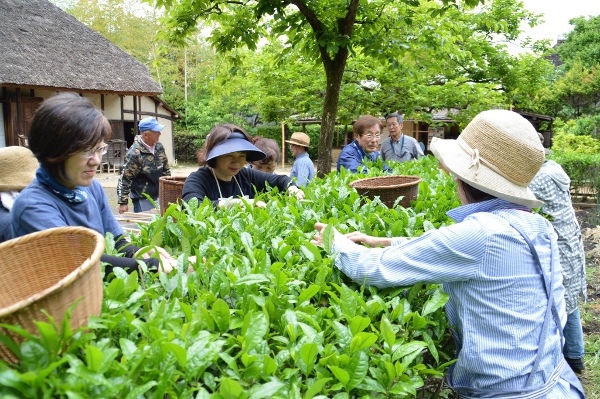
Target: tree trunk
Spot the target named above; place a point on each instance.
(334, 70)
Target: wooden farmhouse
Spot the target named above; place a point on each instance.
(45, 50)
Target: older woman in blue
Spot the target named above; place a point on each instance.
(67, 137)
(499, 264)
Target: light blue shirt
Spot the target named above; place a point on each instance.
(497, 298)
(303, 169)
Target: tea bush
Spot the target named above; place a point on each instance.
(266, 315)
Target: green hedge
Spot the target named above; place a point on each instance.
(583, 169)
(186, 144)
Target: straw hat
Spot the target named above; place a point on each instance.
(237, 142)
(499, 153)
(18, 166)
(300, 139)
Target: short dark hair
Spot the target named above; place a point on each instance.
(473, 194)
(399, 118)
(271, 149)
(65, 124)
(217, 135)
(363, 123)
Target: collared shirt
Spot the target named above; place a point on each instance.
(497, 298)
(405, 149)
(352, 156)
(303, 169)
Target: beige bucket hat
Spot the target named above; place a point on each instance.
(18, 166)
(499, 153)
(299, 138)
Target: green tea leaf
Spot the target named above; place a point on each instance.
(438, 300)
(328, 235)
(387, 332)
(308, 293)
(341, 374)
(316, 387)
(220, 313)
(357, 369)
(362, 341)
(308, 354)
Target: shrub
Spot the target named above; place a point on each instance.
(186, 144)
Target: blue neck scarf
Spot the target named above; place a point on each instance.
(79, 194)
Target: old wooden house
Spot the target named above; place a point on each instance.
(45, 50)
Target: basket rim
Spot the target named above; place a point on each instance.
(66, 281)
(415, 180)
(173, 179)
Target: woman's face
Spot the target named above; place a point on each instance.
(80, 168)
(229, 165)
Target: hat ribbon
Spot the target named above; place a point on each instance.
(477, 160)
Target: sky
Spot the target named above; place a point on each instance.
(557, 14)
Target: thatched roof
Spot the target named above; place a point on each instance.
(44, 47)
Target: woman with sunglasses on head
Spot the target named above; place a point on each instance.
(67, 136)
(223, 177)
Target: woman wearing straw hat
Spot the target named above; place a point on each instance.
(303, 169)
(67, 136)
(18, 166)
(499, 264)
(223, 177)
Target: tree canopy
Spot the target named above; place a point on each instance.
(378, 56)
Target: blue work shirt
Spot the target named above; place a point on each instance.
(497, 298)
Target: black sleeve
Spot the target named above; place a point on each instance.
(125, 247)
(259, 180)
(129, 264)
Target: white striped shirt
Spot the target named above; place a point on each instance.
(497, 297)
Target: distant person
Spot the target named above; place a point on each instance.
(552, 186)
(399, 147)
(272, 153)
(366, 132)
(67, 136)
(303, 169)
(145, 163)
(17, 166)
(223, 177)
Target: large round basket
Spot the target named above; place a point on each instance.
(48, 271)
(169, 191)
(389, 188)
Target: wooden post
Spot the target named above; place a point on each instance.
(282, 145)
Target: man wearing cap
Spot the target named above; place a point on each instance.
(303, 169)
(399, 147)
(145, 162)
(18, 166)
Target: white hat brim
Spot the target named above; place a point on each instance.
(457, 161)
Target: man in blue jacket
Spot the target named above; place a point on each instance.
(367, 132)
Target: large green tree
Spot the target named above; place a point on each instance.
(582, 43)
(329, 30)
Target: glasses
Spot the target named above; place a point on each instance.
(373, 136)
(393, 124)
(88, 154)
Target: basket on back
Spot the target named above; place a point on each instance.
(49, 270)
(389, 188)
(169, 191)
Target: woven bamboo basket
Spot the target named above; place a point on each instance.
(49, 270)
(169, 191)
(389, 188)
